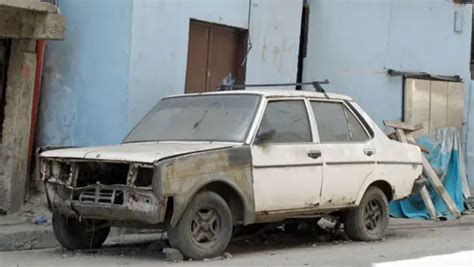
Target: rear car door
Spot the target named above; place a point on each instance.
(287, 167)
(348, 151)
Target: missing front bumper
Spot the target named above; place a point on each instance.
(107, 202)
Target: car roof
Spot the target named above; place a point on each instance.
(271, 93)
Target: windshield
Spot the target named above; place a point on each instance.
(197, 118)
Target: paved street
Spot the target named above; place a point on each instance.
(411, 242)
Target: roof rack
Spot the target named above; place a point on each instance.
(315, 84)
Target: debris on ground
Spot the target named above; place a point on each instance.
(173, 255)
(41, 219)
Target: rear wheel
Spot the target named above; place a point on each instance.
(205, 228)
(369, 220)
(74, 234)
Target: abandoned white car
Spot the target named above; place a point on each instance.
(199, 165)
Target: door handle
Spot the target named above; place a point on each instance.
(369, 151)
(314, 154)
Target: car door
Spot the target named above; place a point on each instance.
(287, 164)
(348, 150)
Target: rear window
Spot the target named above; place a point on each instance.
(336, 123)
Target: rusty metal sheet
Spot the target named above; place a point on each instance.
(455, 116)
(438, 105)
(417, 103)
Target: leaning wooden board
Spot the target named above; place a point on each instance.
(403, 130)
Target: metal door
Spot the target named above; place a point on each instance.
(435, 104)
(215, 52)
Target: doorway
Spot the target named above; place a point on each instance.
(215, 54)
(4, 56)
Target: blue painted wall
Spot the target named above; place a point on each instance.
(85, 81)
(121, 56)
(352, 43)
(160, 42)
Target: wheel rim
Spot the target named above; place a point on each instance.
(205, 226)
(373, 216)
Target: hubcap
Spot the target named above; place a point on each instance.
(205, 226)
(373, 215)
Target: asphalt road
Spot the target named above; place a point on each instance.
(406, 240)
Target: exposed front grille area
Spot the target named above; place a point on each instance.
(102, 172)
(104, 196)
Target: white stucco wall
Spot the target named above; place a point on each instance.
(352, 43)
(160, 30)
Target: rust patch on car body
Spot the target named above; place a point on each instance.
(182, 177)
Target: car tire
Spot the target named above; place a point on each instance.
(205, 228)
(73, 234)
(369, 221)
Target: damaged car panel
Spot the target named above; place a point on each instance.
(199, 165)
(227, 170)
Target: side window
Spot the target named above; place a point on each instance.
(357, 131)
(336, 123)
(289, 121)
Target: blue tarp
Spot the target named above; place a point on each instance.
(443, 146)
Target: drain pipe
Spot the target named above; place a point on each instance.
(40, 48)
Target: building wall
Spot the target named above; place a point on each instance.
(85, 79)
(112, 69)
(160, 42)
(353, 43)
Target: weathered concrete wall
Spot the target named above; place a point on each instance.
(111, 70)
(352, 43)
(16, 126)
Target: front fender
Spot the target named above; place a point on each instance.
(182, 177)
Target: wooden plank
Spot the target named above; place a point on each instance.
(438, 185)
(425, 196)
(403, 125)
(428, 203)
(401, 135)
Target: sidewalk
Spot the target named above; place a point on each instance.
(20, 233)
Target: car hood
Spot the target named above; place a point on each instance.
(133, 152)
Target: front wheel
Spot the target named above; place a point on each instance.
(205, 228)
(74, 234)
(369, 221)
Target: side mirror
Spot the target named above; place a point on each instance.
(264, 135)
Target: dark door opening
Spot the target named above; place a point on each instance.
(215, 52)
(4, 56)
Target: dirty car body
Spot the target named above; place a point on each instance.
(271, 155)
